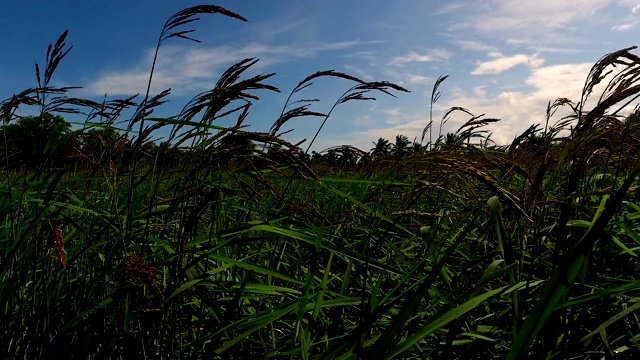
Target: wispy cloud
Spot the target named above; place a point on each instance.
(476, 46)
(340, 45)
(363, 120)
(630, 20)
(280, 26)
(412, 56)
(450, 8)
(503, 63)
(418, 79)
(543, 23)
(393, 116)
(392, 112)
(535, 17)
(193, 69)
(359, 72)
(624, 27)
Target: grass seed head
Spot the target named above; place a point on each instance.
(53, 237)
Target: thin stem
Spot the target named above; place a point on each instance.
(138, 146)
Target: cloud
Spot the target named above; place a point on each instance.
(450, 8)
(359, 72)
(537, 47)
(363, 120)
(503, 63)
(280, 26)
(537, 39)
(418, 79)
(476, 46)
(552, 24)
(440, 54)
(340, 45)
(412, 56)
(517, 109)
(624, 27)
(538, 16)
(520, 109)
(188, 70)
(631, 19)
(392, 112)
(369, 56)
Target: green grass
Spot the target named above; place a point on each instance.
(223, 243)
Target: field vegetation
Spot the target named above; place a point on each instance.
(220, 242)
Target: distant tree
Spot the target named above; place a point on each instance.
(401, 146)
(449, 141)
(100, 150)
(416, 147)
(332, 157)
(32, 140)
(99, 140)
(381, 148)
(316, 157)
(350, 156)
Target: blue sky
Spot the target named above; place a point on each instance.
(505, 58)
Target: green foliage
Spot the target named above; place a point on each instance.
(34, 140)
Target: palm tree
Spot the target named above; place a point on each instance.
(381, 148)
(401, 146)
(449, 142)
(416, 147)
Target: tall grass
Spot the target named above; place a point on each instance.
(227, 243)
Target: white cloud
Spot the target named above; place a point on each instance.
(188, 70)
(517, 109)
(557, 29)
(555, 81)
(538, 16)
(418, 79)
(624, 27)
(520, 109)
(340, 45)
(534, 45)
(554, 24)
(476, 46)
(480, 91)
(450, 8)
(504, 63)
(359, 72)
(631, 19)
(412, 56)
(440, 54)
(181, 68)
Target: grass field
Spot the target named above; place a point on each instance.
(224, 243)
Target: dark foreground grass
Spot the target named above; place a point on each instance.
(230, 244)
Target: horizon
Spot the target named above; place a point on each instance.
(503, 60)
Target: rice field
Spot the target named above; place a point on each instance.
(231, 244)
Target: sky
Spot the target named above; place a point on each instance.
(505, 59)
